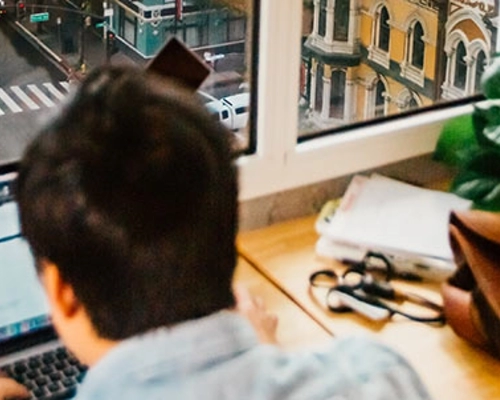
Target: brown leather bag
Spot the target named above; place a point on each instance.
(472, 295)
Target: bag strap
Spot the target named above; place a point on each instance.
(484, 224)
(476, 245)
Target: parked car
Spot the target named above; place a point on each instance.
(217, 109)
(232, 110)
(238, 105)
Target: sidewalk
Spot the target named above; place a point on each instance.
(48, 39)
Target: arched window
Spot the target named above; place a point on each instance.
(384, 30)
(318, 103)
(480, 66)
(322, 18)
(341, 26)
(380, 91)
(413, 103)
(418, 46)
(460, 67)
(337, 94)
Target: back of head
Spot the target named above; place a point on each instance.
(131, 191)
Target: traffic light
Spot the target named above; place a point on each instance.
(110, 43)
(20, 10)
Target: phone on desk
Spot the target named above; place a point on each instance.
(177, 61)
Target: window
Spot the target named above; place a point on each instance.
(305, 133)
(320, 147)
(219, 31)
(384, 30)
(318, 106)
(380, 99)
(418, 46)
(341, 22)
(337, 94)
(435, 50)
(460, 67)
(322, 18)
(380, 35)
(480, 66)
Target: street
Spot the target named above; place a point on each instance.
(30, 86)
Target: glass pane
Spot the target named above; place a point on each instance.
(384, 57)
(49, 45)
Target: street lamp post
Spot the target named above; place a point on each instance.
(59, 35)
(87, 21)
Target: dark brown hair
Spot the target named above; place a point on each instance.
(131, 191)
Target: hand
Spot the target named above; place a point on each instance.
(254, 310)
(10, 389)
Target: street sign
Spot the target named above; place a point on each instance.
(39, 17)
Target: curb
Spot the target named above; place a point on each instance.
(59, 62)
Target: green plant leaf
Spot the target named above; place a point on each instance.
(455, 141)
(490, 80)
(483, 191)
(484, 161)
(486, 122)
(479, 181)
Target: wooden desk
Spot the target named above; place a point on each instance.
(296, 329)
(450, 367)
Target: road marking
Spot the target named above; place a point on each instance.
(65, 85)
(24, 98)
(1, 112)
(9, 102)
(43, 98)
(53, 91)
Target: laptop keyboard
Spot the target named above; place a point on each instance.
(52, 375)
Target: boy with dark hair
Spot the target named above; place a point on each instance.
(128, 200)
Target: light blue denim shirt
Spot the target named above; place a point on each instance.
(219, 357)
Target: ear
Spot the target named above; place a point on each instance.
(60, 294)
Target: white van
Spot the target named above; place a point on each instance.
(238, 105)
(217, 109)
(220, 112)
(232, 110)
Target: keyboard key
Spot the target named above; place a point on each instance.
(50, 376)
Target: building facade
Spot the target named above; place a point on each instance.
(470, 42)
(203, 25)
(372, 58)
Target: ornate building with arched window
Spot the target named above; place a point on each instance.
(470, 40)
(370, 58)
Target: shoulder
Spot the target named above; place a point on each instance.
(362, 368)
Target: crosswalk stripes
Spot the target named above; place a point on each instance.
(31, 97)
(9, 102)
(65, 85)
(52, 89)
(43, 98)
(24, 98)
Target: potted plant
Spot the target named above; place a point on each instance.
(471, 143)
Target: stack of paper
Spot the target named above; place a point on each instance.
(407, 223)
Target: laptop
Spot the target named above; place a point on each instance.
(29, 350)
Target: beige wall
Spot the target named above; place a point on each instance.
(308, 200)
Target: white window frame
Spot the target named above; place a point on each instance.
(280, 163)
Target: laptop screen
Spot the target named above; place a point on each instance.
(23, 306)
